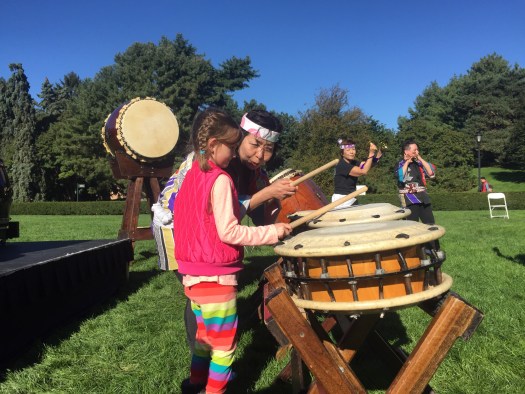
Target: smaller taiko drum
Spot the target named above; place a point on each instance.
(309, 196)
(144, 129)
(368, 213)
(364, 266)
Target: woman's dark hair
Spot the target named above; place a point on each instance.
(406, 145)
(265, 119)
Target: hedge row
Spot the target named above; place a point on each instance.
(452, 201)
(440, 202)
(73, 208)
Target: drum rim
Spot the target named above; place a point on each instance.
(116, 127)
(319, 222)
(130, 150)
(290, 249)
(375, 306)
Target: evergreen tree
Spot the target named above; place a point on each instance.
(485, 100)
(6, 120)
(23, 175)
(173, 72)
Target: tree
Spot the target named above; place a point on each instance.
(21, 126)
(173, 72)
(484, 100)
(321, 126)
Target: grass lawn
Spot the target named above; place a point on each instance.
(135, 342)
(501, 179)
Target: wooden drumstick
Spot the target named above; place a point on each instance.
(314, 172)
(326, 208)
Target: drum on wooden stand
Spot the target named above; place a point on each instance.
(145, 129)
(364, 267)
(357, 214)
(308, 196)
(140, 137)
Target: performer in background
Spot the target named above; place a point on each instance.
(348, 170)
(412, 173)
(209, 248)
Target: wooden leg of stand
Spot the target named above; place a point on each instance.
(352, 339)
(299, 372)
(273, 274)
(323, 360)
(132, 209)
(454, 319)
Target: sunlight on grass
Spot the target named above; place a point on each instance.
(136, 343)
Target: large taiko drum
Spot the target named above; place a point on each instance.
(144, 129)
(366, 267)
(356, 214)
(308, 196)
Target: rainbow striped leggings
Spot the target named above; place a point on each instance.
(215, 307)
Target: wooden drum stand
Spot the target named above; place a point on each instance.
(452, 317)
(142, 176)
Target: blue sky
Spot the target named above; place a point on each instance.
(384, 52)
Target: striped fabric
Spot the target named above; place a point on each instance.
(165, 247)
(215, 307)
(163, 233)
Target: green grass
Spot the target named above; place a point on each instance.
(501, 179)
(135, 342)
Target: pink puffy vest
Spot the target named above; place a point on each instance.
(198, 249)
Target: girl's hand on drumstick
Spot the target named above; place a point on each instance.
(283, 230)
(373, 148)
(281, 189)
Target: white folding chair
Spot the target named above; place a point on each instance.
(496, 201)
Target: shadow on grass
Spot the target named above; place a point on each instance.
(33, 352)
(514, 176)
(368, 365)
(519, 258)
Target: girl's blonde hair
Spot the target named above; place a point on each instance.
(212, 123)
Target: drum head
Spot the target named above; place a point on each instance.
(148, 128)
(368, 213)
(358, 238)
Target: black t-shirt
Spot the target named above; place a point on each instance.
(344, 183)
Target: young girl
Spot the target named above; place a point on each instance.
(209, 248)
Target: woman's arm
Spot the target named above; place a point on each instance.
(279, 190)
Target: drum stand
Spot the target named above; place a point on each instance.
(141, 176)
(329, 362)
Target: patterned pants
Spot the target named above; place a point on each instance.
(215, 307)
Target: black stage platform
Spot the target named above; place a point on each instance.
(42, 284)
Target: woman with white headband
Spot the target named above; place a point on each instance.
(348, 170)
(257, 197)
(260, 199)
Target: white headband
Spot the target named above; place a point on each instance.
(258, 131)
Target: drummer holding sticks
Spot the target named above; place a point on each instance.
(348, 170)
(257, 197)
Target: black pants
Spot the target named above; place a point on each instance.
(421, 212)
(424, 213)
(190, 321)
